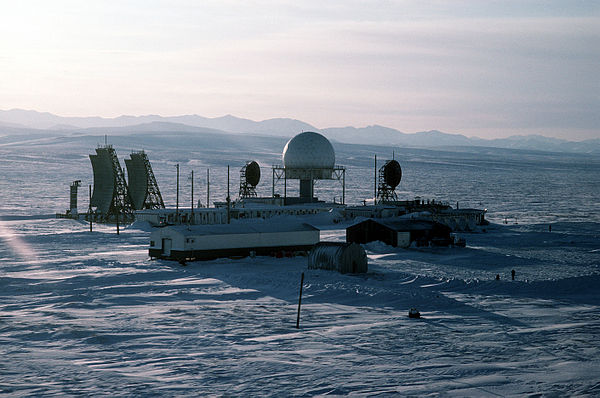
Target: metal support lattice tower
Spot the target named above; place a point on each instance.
(246, 190)
(111, 198)
(143, 188)
(121, 203)
(385, 193)
(335, 173)
(154, 199)
(339, 174)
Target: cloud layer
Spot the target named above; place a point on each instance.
(506, 68)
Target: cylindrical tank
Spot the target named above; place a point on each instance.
(346, 258)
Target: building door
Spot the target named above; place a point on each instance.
(166, 247)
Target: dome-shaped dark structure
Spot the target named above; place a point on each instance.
(392, 173)
(252, 173)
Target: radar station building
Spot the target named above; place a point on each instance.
(308, 157)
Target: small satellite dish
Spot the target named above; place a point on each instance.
(392, 173)
(252, 173)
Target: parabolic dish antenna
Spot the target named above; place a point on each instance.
(392, 173)
(252, 173)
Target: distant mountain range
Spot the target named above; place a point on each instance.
(12, 121)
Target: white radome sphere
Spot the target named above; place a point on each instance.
(308, 150)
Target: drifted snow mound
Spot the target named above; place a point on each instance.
(140, 226)
(332, 216)
(578, 289)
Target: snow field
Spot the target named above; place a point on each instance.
(96, 317)
(89, 314)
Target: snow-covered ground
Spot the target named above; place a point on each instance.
(88, 313)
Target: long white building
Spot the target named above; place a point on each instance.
(204, 242)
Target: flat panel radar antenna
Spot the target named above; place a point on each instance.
(143, 187)
(390, 175)
(249, 179)
(111, 196)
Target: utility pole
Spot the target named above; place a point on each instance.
(344, 187)
(299, 301)
(192, 215)
(207, 188)
(228, 199)
(284, 186)
(375, 183)
(90, 207)
(177, 204)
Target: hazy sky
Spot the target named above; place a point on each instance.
(484, 68)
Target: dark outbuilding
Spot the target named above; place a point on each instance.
(400, 232)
